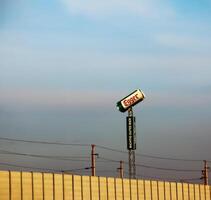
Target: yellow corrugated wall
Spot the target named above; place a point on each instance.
(49, 186)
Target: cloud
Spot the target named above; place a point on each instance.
(143, 8)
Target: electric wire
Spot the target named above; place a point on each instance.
(110, 149)
(100, 157)
(168, 158)
(167, 169)
(151, 156)
(45, 169)
(152, 167)
(78, 169)
(28, 167)
(43, 142)
(190, 179)
(44, 156)
(101, 147)
(106, 159)
(164, 178)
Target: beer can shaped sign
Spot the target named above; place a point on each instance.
(130, 100)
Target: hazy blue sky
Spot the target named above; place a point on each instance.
(64, 64)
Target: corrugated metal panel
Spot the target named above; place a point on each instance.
(119, 191)
(185, 191)
(68, 187)
(134, 195)
(202, 192)
(207, 192)
(95, 188)
(161, 190)
(86, 187)
(111, 188)
(103, 188)
(179, 191)
(27, 185)
(167, 191)
(173, 191)
(210, 191)
(141, 189)
(191, 191)
(37, 186)
(126, 187)
(147, 190)
(196, 192)
(48, 186)
(58, 186)
(15, 185)
(77, 187)
(154, 190)
(4, 185)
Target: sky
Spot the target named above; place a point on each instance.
(64, 64)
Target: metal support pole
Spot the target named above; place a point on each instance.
(130, 163)
(93, 160)
(205, 173)
(131, 154)
(121, 170)
(133, 175)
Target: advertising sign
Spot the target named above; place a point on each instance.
(130, 100)
(131, 133)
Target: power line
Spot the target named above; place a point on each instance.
(190, 179)
(152, 167)
(87, 168)
(111, 149)
(29, 167)
(106, 160)
(167, 169)
(150, 156)
(101, 147)
(106, 171)
(43, 156)
(78, 169)
(103, 159)
(43, 142)
(164, 178)
(45, 169)
(168, 158)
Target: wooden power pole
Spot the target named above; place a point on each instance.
(205, 173)
(93, 160)
(121, 169)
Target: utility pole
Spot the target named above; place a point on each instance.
(205, 173)
(93, 154)
(121, 169)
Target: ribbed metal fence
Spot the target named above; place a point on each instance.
(50, 186)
